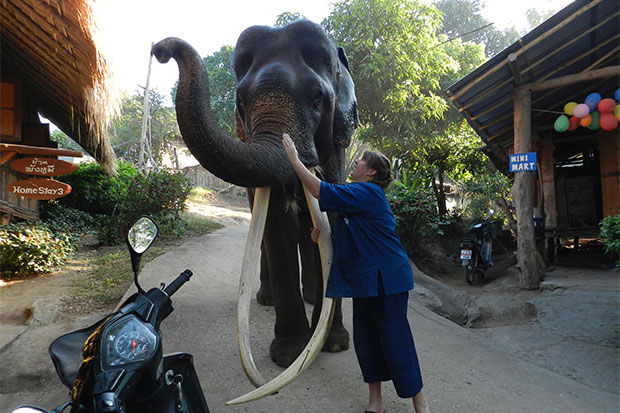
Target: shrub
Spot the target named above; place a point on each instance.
(417, 219)
(62, 219)
(31, 249)
(610, 232)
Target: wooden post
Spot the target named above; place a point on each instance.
(529, 276)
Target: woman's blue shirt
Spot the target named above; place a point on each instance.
(365, 242)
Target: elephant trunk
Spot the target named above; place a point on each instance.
(261, 162)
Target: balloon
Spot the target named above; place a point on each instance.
(592, 101)
(606, 105)
(573, 122)
(617, 112)
(581, 110)
(561, 124)
(608, 121)
(594, 125)
(617, 95)
(586, 120)
(569, 107)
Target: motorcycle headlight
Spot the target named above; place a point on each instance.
(127, 341)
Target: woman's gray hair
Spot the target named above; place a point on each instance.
(381, 164)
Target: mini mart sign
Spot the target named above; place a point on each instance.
(522, 162)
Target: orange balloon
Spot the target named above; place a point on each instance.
(586, 120)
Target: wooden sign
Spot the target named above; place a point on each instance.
(39, 188)
(43, 166)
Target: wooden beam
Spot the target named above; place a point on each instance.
(575, 78)
(37, 150)
(529, 276)
(514, 68)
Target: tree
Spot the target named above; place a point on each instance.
(64, 141)
(394, 64)
(462, 19)
(163, 128)
(288, 17)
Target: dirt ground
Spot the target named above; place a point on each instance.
(496, 308)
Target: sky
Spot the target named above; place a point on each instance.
(127, 28)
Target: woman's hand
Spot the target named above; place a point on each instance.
(314, 234)
(289, 148)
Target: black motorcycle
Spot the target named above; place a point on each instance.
(476, 249)
(117, 364)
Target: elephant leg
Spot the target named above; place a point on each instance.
(264, 295)
(292, 330)
(308, 252)
(338, 337)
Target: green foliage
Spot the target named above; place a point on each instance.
(159, 194)
(64, 141)
(416, 216)
(94, 190)
(288, 17)
(610, 232)
(27, 249)
(63, 219)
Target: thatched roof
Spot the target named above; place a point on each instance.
(51, 46)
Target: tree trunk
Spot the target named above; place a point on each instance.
(529, 276)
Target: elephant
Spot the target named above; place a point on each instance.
(293, 80)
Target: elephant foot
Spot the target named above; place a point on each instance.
(264, 296)
(284, 351)
(337, 340)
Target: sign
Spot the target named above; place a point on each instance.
(522, 162)
(39, 188)
(43, 166)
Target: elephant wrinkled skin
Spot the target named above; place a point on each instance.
(290, 79)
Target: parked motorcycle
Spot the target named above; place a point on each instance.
(117, 364)
(476, 249)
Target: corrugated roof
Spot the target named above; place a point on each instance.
(582, 38)
(51, 46)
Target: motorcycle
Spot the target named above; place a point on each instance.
(476, 248)
(117, 364)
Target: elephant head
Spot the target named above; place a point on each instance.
(290, 79)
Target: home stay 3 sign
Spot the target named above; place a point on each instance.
(41, 188)
(522, 162)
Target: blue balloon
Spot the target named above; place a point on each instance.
(617, 95)
(592, 101)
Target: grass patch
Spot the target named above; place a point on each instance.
(200, 193)
(109, 272)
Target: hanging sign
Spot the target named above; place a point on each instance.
(521, 162)
(43, 166)
(39, 188)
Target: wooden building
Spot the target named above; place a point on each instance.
(50, 64)
(513, 101)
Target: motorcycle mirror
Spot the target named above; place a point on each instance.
(29, 409)
(139, 238)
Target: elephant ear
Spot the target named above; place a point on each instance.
(345, 114)
(239, 130)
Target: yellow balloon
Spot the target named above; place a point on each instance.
(569, 108)
(617, 112)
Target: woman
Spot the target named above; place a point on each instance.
(371, 266)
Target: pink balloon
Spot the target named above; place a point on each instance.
(606, 105)
(608, 121)
(581, 110)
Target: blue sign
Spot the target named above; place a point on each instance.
(521, 162)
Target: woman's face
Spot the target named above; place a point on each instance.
(362, 172)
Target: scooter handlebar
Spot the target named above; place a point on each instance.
(178, 282)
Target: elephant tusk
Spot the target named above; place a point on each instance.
(249, 272)
(319, 336)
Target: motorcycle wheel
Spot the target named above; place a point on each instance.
(470, 275)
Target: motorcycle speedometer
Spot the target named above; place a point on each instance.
(128, 340)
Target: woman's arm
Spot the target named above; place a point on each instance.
(310, 181)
